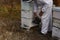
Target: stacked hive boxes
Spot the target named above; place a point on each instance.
(56, 28)
(26, 15)
(56, 22)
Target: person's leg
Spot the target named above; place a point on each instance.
(50, 21)
(45, 21)
(50, 25)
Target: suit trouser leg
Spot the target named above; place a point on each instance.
(45, 23)
(50, 23)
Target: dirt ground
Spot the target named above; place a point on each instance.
(21, 34)
(10, 30)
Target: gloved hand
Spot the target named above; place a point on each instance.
(36, 19)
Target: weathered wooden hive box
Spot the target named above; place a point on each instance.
(56, 22)
(26, 14)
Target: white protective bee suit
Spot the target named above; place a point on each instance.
(46, 18)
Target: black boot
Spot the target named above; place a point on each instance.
(49, 33)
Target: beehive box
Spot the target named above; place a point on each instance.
(26, 14)
(56, 28)
(56, 22)
(56, 32)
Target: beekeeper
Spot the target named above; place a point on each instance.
(46, 16)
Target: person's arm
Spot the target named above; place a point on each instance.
(35, 8)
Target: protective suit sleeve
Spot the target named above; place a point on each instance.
(35, 8)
